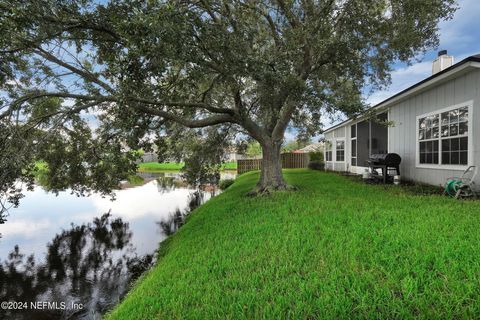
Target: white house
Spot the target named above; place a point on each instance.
(435, 126)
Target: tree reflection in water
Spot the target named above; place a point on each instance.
(177, 218)
(91, 264)
(166, 181)
(167, 184)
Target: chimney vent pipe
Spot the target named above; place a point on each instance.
(442, 62)
(442, 52)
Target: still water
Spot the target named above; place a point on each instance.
(67, 257)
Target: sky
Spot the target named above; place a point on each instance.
(460, 36)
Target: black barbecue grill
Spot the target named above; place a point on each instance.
(385, 162)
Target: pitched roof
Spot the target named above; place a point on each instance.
(311, 148)
(438, 75)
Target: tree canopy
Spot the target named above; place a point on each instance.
(146, 70)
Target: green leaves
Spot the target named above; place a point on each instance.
(136, 70)
(45, 107)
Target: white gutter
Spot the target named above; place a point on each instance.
(418, 89)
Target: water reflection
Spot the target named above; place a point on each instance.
(177, 175)
(166, 184)
(177, 218)
(88, 263)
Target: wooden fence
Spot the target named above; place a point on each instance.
(289, 161)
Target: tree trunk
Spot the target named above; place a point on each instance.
(271, 177)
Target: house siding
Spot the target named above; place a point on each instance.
(402, 137)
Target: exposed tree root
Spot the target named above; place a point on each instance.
(267, 190)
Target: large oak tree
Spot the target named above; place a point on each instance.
(149, 68)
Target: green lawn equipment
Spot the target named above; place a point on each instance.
(462, 187)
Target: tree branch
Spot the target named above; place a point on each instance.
(43, 94)
(76, 110)
(202, 105)
(292, 20)
(190, 123)
(99, 98)
(209, 11)
(273, 28)
(139, 105)
(254, 129)
(283, 120)
(84, 74)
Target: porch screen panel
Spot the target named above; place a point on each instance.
(380, 134)
(353, 144)
(363, 134)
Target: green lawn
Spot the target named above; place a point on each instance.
(165, 166)
(160, 166)
(334, 249)
(230, 165)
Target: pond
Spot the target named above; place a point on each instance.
(69, 257)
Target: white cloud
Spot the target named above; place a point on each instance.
(11, 82)
(42, 215)
(458, 32)
(25, 228)
(405, 77)
(289, 135)
(141, 201)
(459, 36)
(68, 102)
(402, 78)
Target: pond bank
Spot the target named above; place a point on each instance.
(336, 248)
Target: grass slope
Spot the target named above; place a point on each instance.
(334, 249)
(165, 166)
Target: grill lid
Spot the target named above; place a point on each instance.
(390, 159)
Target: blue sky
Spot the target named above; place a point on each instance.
(460, 36)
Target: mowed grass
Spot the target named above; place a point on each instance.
(165, 166)
(334, 249)
(230, 165)
(160, 166)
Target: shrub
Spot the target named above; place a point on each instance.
(316, 156)
(224, 184)
(316, 165)
(135, 180)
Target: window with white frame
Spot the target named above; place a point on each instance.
(353, 136)
(328, 150)
(443, 137)
(340, 150)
